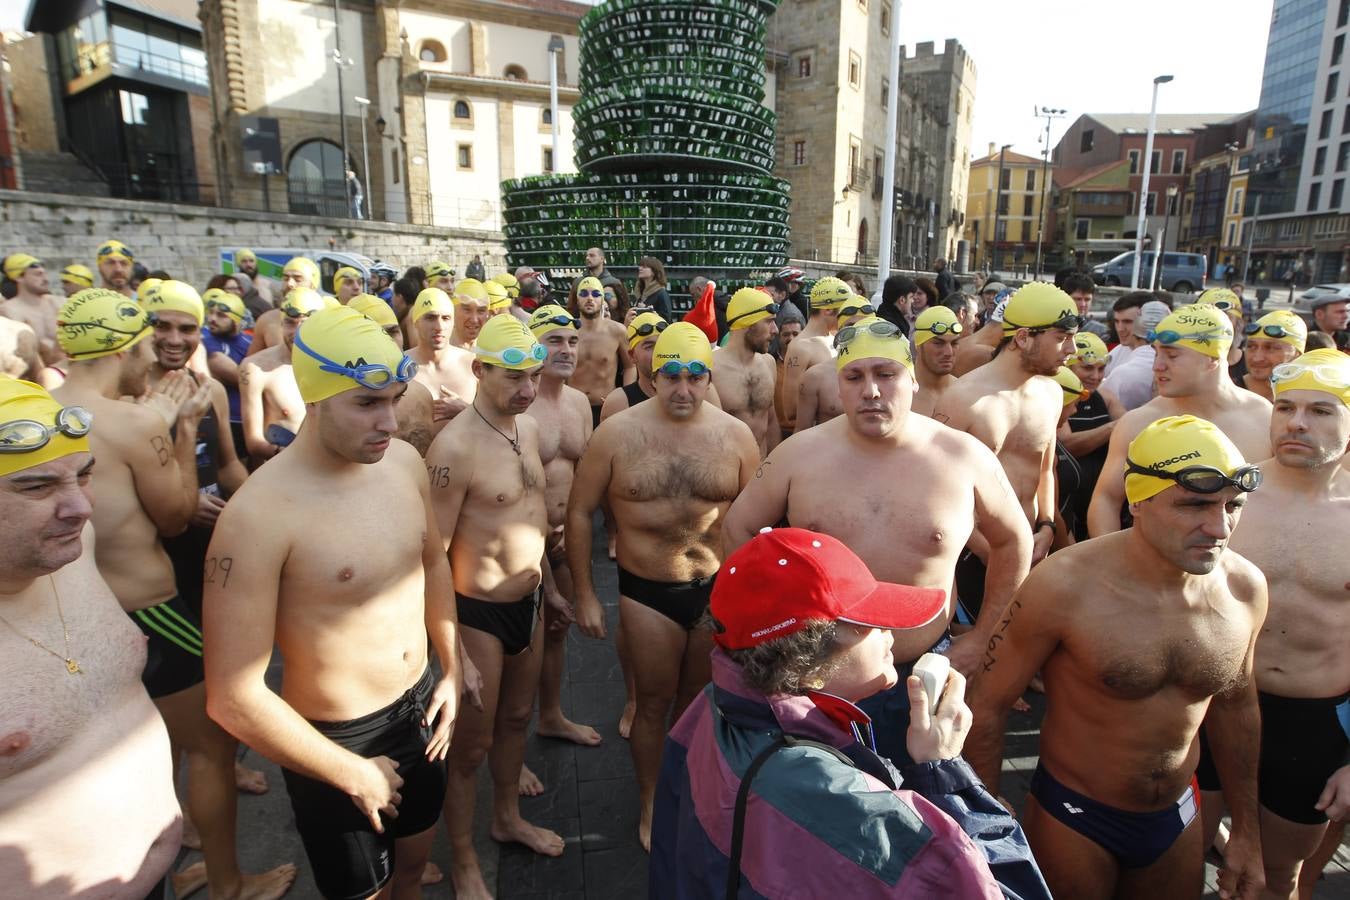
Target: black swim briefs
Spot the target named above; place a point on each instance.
(684, 602)
(173, 649)
(512, 623)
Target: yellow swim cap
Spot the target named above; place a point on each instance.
(471, 290)
(232, 306)
(146, 289)
(374, 308)
(1323, 370)
(243, 254)
(339, 349)
(99, 322)
(684, 344)
(1285, 326)
(302, 302)
(1222, 298)
(590, 283)
(438, 269)
(346, 273)
(1072, 385)
(23, 403)
(1174, 443)
(749, 306)
(176, 296)
(304, 266)
(1088, 349)
(78, 274)
(432, 301)
(551, 318)
(1039, 304)
(508, 281)
(115, 250)
(506, 342)
(18, 263)
(498, 299)
(1204, 329)
(872, 337)
(933, 321)
(829, 293)
(643, 326)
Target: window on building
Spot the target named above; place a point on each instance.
(1345, 122)
(886, 20)
(1152, 203)
(854, 69)
(431, 51)
(316, 182)
(1342, 156)
(799, 153)
(1344, 14)
(1005, 179)
(1155, 162)
(804, 66)
(1003, 204)
(1001, 230)
(1134, 162)
(1337, 49)
(463, 111)
(1324, 131)
(1237, 203)
(548, 159)
(515, 73)
(885, 93)
(1178, 162)
(148, 45)
(1232, 233)
(546, 117)
(464, 156)
(1333, 82)
(1081, 229)
(393, 163)
(1028, 205)
(1314, 195)
(1085, 141)
(1319, 160)
(1337, 193)
(1031, 179)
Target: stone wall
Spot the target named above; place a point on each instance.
(186, 240)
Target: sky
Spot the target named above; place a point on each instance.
(1073, 55)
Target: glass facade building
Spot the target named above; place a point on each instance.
(1284, 116)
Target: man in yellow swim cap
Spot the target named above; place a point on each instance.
(743, 369)
(815, 344)
(471, 311)
(1130, 680)
(1275, 338)
(347, 283)
(1090, 426)
(270, 403)
(442, 368)
(936, 332)
(669, 469)
(818, 390)
(299, 273)
(602, 353)
(33, 304)
(416, 410)
(115, 262)
(369, 720)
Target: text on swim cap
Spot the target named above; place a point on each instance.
(1194, 454)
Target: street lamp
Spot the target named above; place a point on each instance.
(1162, 245)
(555, 46)
(998, 207)
(1049, 115)
(1143, 191)
(365, 154)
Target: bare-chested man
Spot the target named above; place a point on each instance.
(488, 492)
(471, 311)
(443, 369)
(563, 417)
(499, 301)
(415, 409)
(1131, 666)
(19, 350)
(936, 332)
(743, 369)
(790, 324)
(440, 275)
(351, 583)
(147, 490)
(669, 470)
(644, 329)
(1191, 371)
(818, 395)
(347, 284)
(115, 262)
(1302, 668)
(33, 305)
(269, 401)
(603, 350)
(80, 742)
(1272, 340)
(904, 492)
(75, 278)
(300, 272)
(815, 344)
(1014, 410)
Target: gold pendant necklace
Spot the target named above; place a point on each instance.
(72, 666)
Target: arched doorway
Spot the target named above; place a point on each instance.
(316, 183)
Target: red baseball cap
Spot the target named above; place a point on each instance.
(784, 578)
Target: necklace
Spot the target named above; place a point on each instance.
(72, 666)
(514, 442)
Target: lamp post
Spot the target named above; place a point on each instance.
(555, 46)
(1049, 114)
(1143, 191)
(1162, 245)
(364, 103)
(998, 209)
(342, 97)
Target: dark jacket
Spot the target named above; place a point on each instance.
(946, 284)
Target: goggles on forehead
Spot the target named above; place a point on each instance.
(674, 367)
(865, 309)
(1070, 322)
(375, 376)
(648, 328)
(943, 328)
(1329, 375)
(850, 333)
(114, 251)
(514, 356)
(1271, 331)
(1169, 337)
(563, 321)
(770, 308)
(28, 435)
(1203, 479)
(294, 312)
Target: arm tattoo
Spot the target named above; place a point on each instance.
(989, 656)
(161, 448)
(218, 566)
(759, 473)
(439, 475)
(941, 417)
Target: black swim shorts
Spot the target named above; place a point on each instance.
(173, 650)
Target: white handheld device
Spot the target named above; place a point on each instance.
(932, 669)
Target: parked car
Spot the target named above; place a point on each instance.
(1181, 272)
(271, 260)
(1304, 301)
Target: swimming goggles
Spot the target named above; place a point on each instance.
(514, 356)
(1081, 396)
(943, 328)
(1329, 375)
(28, 435)
(647, 328)
(771, 309)
(116, 251)
(850, 333)
(564, 321)
(674, 367)
(295, 312)
(1071, 322)
(1169, 337)
(865, 309)
(375, 376)
(1203, 479)
(588, 293)
(1273, 331)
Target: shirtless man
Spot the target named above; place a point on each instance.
(603, 350)
(644, 329)
(441, 275)
(743, 369)
(75, 278)
(444, 370)
(347, 284)
(818, 395)
(33, 305)
(19, 350)
(1302, 669)
(488, 492)
(563, 416)
(1272, 340)
(669, 470)
(1191, 371)
(979, 348)
(1131, 666)
(300, 272)
(147, 490)
(499, 301)
(361, 725)
(77, 732)
(416, 408)
(909, 528)
(115, 262)
(471, 311)
(247, 262)
(1014, 410)
(269, 401)
(815, 343)
(936, 332)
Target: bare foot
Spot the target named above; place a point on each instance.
(645, 829)
(431, 874)
(564, 729)
(189, 880)
(540, 840)
(268, 885)
(249, 781)
(191, 839)
(626, 720)
(530, 785)
(468, 882)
